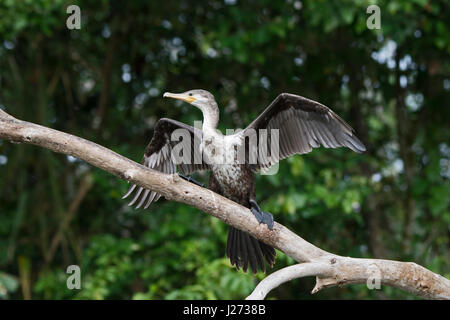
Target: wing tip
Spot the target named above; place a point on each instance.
(359, 146)
(130, 190)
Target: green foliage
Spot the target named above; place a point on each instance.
(8, 285)
(105, 82)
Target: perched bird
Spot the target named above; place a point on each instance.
(300, 125)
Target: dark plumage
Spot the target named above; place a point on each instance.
(303, 125)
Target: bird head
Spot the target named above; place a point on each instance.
(199, 98)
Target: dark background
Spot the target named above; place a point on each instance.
(105, 82)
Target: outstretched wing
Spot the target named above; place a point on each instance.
(158, 156)
(303, 124)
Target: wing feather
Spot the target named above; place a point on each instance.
(304, 124)
(158, 156)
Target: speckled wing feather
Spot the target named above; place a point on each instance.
(158, 156)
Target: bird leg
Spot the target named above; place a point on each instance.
(189, 179)
(261, 216)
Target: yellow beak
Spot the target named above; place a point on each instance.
(180, 96)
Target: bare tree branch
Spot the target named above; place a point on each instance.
(330, 269)
(279, 277)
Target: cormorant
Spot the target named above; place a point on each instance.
(302, 124)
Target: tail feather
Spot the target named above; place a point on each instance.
(251, 253)
(269, 254)
(243, 250)
(259, 254)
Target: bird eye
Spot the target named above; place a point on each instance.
(190, 94)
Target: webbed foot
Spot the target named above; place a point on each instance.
(261, 216)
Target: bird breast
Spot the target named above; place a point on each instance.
(230, 178)
(218, 149)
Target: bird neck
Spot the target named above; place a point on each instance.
(210, 116)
